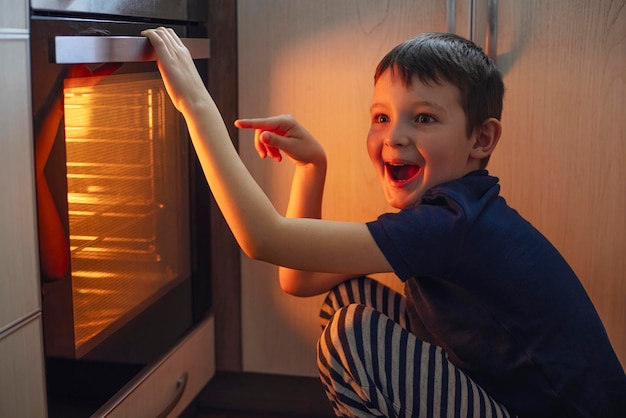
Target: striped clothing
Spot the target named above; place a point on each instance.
(372, 366)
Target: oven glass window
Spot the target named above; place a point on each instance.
(127, 200)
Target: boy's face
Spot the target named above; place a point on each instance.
(417, 138)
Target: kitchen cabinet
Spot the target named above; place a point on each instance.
(316, 61)
(18, 247)
(13, 16)
(559, 158)
(22, 384)
(22, 387)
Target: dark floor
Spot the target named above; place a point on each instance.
(248, 395)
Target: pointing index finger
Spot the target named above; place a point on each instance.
(274, 124)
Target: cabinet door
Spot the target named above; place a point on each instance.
(316, 61)
(560, 158)
(13, 15)
(19, 284)
(22, 387)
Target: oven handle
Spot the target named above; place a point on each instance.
(102, 49)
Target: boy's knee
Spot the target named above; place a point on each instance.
(338, 341)
(344, 328)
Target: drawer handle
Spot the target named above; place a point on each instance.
(181, 384)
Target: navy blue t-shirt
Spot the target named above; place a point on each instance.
(482, 283)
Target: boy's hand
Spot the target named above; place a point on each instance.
(278, 134)
(181, 78)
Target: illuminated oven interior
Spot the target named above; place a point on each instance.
(127, 200)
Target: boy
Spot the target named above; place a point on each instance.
(494, 322)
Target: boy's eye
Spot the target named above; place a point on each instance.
(424, 118)
(380, 118)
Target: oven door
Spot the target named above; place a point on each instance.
(117, 195)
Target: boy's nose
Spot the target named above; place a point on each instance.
(397, 136)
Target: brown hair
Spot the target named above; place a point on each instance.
(445, 57)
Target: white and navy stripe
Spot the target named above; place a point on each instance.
(371, 366)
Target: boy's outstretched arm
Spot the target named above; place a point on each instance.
(274, 136)
(262, 233)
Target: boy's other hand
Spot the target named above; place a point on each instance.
(283, 134)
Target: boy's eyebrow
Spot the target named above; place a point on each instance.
(419, 103)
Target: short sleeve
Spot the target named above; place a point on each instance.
(423, 240)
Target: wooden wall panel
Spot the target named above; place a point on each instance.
(561, 155)
(559, 159)
(315, 60)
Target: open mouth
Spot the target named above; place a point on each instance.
(401, 173)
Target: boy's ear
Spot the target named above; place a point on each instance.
(486, 139)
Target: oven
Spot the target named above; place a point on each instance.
(122, 203)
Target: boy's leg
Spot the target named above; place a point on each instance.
(372, 367)
(368, 292)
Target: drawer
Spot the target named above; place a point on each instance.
(19, 272)
(22, 382)
(13, 15)
(171, 384)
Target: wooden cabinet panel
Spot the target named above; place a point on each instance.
(560, 158)
(22, 383)
(19, 285)
(316, 61)
(194, 358)
(13, 15)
